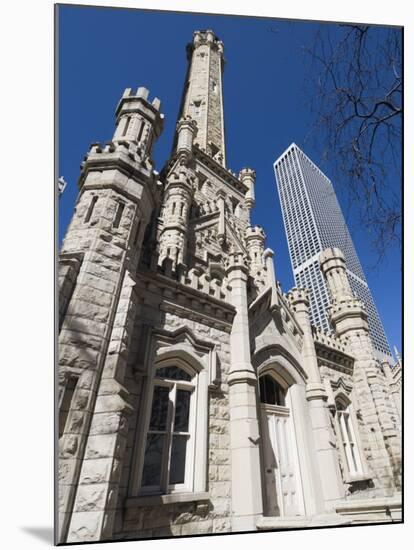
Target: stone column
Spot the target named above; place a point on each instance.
(326, 453)
(349, 318)
(255, 238)
(176, 203)
(186, 132)
(270, 267)
(248, 177)
(247, 504)
(221, 232)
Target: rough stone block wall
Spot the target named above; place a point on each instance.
(88, 321)
(192, 517)
(373, 438)
(197, 92)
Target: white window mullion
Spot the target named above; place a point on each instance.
(168, 439)
(351, 441)
(181, 438)
(189, 465)
(170, 430)
(346, 443)
(356, 450)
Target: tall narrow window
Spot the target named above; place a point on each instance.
(149, 144)
(348, 439)
(168, 446)
(66, 402)
(137, 234)
(128, 120)
(197, 107)
(118, 215)
(140, 131)
(90, 209)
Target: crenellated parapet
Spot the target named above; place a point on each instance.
(213, 286)
(126, 161)
(255, 234)
(207, 38)
(330, 340)
(348, 314)
(236, 263)
(127, 156)
(298, 296)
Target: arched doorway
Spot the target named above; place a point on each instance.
(283, 486)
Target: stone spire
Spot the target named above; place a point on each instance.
(347, 313)
(203, 94)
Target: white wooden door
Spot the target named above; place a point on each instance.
(283, 484)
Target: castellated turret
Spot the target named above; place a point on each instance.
(255, 238)
(138, 120)
(346, 312)
(186, 132)
(176, 208)
(248, 177)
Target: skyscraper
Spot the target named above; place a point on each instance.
(314, 221)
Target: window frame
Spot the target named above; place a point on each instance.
(345, 417)
(196, 456)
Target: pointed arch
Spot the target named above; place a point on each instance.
(180, 355)
(287, 371)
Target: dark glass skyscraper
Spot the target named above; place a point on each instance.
(314, 221)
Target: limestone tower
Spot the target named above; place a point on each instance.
(194, 395)
(203, 93)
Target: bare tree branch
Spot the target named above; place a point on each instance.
(356, 96)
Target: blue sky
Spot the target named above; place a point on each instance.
(104, 51)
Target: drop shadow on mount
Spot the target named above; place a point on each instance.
(42, 533)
